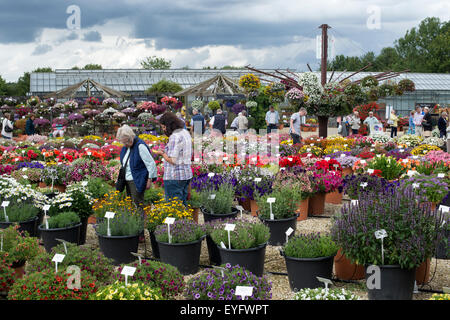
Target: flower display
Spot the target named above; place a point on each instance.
(324, 294)
(109, 102)
(135, 291)
(249, 82)
(295, 95)
(163, 209)
(423, 149)
(410, 140)
(312, 88)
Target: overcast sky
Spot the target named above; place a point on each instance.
(198, 33)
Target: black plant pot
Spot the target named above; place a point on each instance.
(29, 226)
(442, 250)
(184, 256)
(395, 283)
(302, 272)
(251, 259)
(83, 231)
(278, 228)
(213, 251)
(154, 244)
(207, 216)
(69, 234)
(119, 248)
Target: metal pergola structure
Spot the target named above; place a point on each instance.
(89, 85)
(219, 84)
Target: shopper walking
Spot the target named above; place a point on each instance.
(355, 122)
(242, 122)
(442, 124)
(418, 119)
(272, 119)
(7, 127)
(371, 121)
(295, 124)
(427, 122)
(218, 122)
(29, 126)
(412, 126)
(393, 122)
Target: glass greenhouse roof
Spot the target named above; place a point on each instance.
(138, 80)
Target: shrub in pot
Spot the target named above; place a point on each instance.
(156, 274)
(223, 287)
(413, 233)
(123, 239)
(309, 256)
(65, 226)
(283, 210)
(48, 285)
(213, 250)
(248, 245)
(133, 291)
(428, 188)
(194, 203)
(182, 249)
(221, 206)
(323, 181)
(389, 168)
(19, 247)
(24, 214)
(88, 259)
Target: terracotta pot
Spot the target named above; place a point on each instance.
(433, 206)
(42, 185)
(19, 272)
(423, 273)
(254, 208)
(245, 204)
(346, 171)
(92, 220)
(60, 188)
(303, 210)
(195, 214)
(316, 204)
(334, 197)
(345, 269)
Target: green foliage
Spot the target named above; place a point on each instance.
(195, 201)
(98, 187)
(153, 194)
(63, 220)
(123, 224)
(154, 63)
(18, 245)
(182, 231)
(310, 246)
(20, 212)
(91, 260)
(164, 86)
(92, 66)
(258, 113)
(81, 204)
(3, 87)
(223, 201)
(246, 235)
(285, 205)
(214, 105)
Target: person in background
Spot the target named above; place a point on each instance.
(7, 127)
(180, 116)
(418, 119)
(295, 124)
(234, 124)
(442, 124)
(412, 127)
(29, 126)
(197, 120)
(242, 122)
(58, 130)
(177, 158)
(355, 122)
(394, 123)
(218, 122)
(140, 168)
(427, 122)
(371, 121)
(272, 119)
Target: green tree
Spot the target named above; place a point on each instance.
(92, 66)
(154, 62)
(43, 70)
(75, 68)
(23, 84)
(3, 87)
(164, 87)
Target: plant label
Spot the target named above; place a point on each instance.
(278, 155)
(258, 179)
(88, 153)
(211, 174)
(405, 160)
(58, 258)
(230, 227)
(24, 169)
(325, 281)
(290, 159)
(444, 209)
(272, 216)
(309, 155)
(345, 145)
(378, 155)
(128, 271)
(379, 234)
(5, 204)
(271, 200)
(401, 150)
(311, 144)
(243, 291)
(65, 152)
(370, 171)
(196, 159)
(222, 245)
(225, 158)
(46, 207)
(84, 183)
(212, 196)
(282, 169)
(308, 150)
(110, 215)
(139, 256)
(363, 184)
(46, 222)
(415, 157)
(372, 150)
(169, 220)
(288, 233)
(327, 158)
(441, 175)
(411, 173)
(240, 208)
(363, 161)
(342, 155)
(354, 202)
(25, 176)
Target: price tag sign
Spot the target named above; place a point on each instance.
(288, 233)
(212, 196)
(354, 202)
(5, 204)
(243, 291)
(46, 207)
(110, 215)
(271, 200)
(211, 174)
(441, 175)
(309, 155)
(258, 179)
(379, 234)
(230, 227)
(345, 145)
(311, 144)
(58, 258)
(25, 169)
(444, 209)
(370, 171)
(325, 281)
(363, 184)
(169, 220)
(327, 158)
(128, 271)
(363, 161)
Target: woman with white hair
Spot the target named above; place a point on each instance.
(140, 168)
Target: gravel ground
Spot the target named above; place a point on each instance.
(440, 269)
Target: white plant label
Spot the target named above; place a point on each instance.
(290, 159)
(46, 207)
(222, 245)
(288, 233)
(342, 155)
(381, 234)
(169, 220)
(240, 208)
(401, 150)
(372, 150)
(229, 227)
(258, 179)
(378, 155)
(211, 174)
(441, 175)
(5, 204)
(363, 184)
(212, 196)
(225, 158)
(354, 202)
(243, 291)
(197, 159)
(58, 258)
(405, 160)
(25, 176)
(325, 281)
(415, 157)
(335, 150)
(363, 161)
(370, 171)
(308, 150)
(309, 155)
(444, 209)
(88, 153)
(327, 158)
(415, 185)
(84, 183)
(128, 271)
(25, 169)
(110, 214)
(411, 173)
(271, 200)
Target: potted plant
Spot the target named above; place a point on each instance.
(24, 214)
(283, 210)
(443, 249)
(65, 225)
(55, 177)
(219, 206)
(133, 291)
(213, 249)
(389, 167)
(324, 181)
(182, 249)
(429, 188)
(413, 233)
(248, 245)
(157, 275)
(307, 257)
(7, 275)
(357, 184)
(222, 286)
(194, 203)
(123, 238)
(159, 212)
(325, 294)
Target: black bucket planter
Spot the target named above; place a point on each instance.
(251, 259)
(83, 231)
(29, 226)
(278, 229)
(184, 256)
(207, 216)
(213, 251)
(395, 283)
(119, 248)
(302, 272)
(69, 234)
(154, 244)
(442, 250)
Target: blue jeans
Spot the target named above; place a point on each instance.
(176, 188)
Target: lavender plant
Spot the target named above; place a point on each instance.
(312, 245)
(181, 231)
(246, 235)
(355, 185)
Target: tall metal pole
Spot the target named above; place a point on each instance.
(323, 120)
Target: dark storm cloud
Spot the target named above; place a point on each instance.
(93, 36)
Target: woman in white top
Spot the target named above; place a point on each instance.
(7, 123)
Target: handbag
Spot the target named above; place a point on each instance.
(121, 182)
(8, 129)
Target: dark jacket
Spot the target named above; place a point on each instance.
(442, 125)
(138, 169)
(199, 117)
(219, 123)
(428, 123)
(29, 127)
